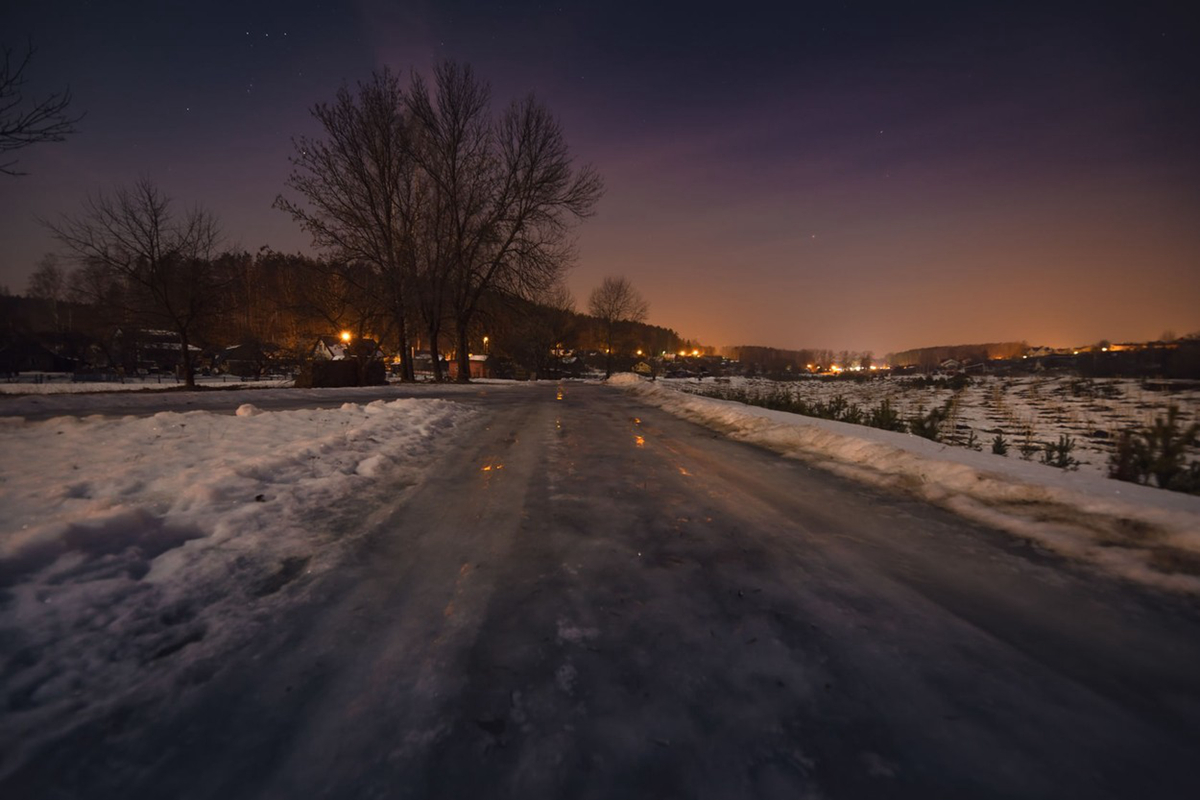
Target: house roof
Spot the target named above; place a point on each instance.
(339, 349)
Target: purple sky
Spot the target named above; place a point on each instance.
(853, 175)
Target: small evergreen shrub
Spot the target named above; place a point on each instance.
(1058, 454)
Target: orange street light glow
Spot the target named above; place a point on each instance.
(345, 336)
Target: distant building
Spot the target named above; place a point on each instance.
(333, 348)
(480, 367)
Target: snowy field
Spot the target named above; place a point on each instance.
(1138, 532)
(1026, 411)
(62, 383)
(125, 540)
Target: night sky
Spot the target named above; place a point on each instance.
(845, 175)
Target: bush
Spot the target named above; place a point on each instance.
(1059, 454)
(1166, 445)
(1029, 448)
(347, 372)
(1160, 452)
(958, 382)
(929, 425)
(885, 417)
(1128, 460)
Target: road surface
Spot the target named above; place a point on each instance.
(593, 599)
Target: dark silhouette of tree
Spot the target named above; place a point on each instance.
(613, 302)
(529, 332)
(24, 123)
(359, 192)
(49, 282)
(504, 194)
(163, 261)
(451, 206)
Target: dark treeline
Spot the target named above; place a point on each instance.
(434, 215)
(273, 307)
(773, 360)
(1176, 359)
(275, 303)
(930, 357)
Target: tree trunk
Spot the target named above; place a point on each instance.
(433, 353)
(406, 365)
(185, 360)
(608, 354)
(463, 356)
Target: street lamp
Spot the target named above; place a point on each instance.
(345, 336)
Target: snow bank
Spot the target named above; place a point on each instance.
(624, 379)
(62, 383)
(174, 400)
(133, 547)
(1138, 532)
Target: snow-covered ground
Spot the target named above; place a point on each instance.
(63, 383)
(120, 403)
(124, 540)
(1032, 411)
(1138, 532)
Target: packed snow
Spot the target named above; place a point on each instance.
(125, 540)
(64, 383)
(43, 405)
(1138, 532)
(1028, 411)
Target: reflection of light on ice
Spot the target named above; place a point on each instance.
(683, 471)
(640, 441)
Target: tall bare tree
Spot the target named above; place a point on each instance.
(358, 189)
(452, 145)
(49, 282)
(530, 332)
(505, 192)
(24, 123)
(613, 302)
(164, 260)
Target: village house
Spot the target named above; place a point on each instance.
(333, 348)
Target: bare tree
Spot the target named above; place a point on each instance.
(359, 191)
(25, 123)
(48, 282)
(505, 194)
(164, 261)
(530, 332)
(613, 302)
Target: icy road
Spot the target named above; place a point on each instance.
(589, 598)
